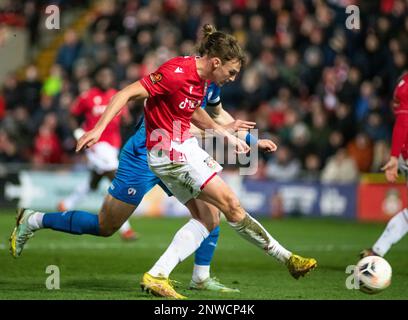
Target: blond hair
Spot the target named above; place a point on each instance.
(221, 45)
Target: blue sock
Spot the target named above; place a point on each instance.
(205, 252)
(75, 222)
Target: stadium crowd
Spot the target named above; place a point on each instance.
(321, 91)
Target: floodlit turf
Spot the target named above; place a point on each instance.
(107, 268)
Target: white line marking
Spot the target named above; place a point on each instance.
(86, 245)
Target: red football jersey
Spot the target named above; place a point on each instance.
(175, 90)
(401, 95)
(400, 131)
(92, 104)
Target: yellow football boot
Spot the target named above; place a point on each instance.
(299, 266)
(159, 286)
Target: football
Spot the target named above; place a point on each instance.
(374, 274)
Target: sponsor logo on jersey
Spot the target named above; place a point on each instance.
(98, 110)
(191, 104)
(156, 77)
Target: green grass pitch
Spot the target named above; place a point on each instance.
(107, 268)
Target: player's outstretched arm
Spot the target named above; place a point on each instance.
(222, 117)
(203, 121)
(134, 91)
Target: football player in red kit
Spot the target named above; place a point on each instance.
(103, 156)
(397, 227)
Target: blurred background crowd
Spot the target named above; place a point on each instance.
(322, 92)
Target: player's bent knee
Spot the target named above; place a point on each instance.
(208, 224)
(106, 227)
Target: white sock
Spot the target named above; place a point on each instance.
(252, 230)
(79, 193)
(200, 273)
(35, 220)
(125, 227)
(396, 228)
(185, 242)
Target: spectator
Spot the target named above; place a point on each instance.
(361, 150)
(8, 149)
(375, 127)
(47, 146)
(10, 91)
(364, 100)
(340, 169)
(320, 131)
(336, 141)
(344, 122)
(2, 107)
(69, 51)
(311, 168)
(283, 167)
(53, 83)
(30, 89)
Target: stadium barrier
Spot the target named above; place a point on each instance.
(366, 201)
(379, 200)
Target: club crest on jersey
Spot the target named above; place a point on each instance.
(156, 77)
(98, 110)
(211, 163)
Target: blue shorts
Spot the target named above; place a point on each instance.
(133, 178)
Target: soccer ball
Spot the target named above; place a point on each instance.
(373, 274)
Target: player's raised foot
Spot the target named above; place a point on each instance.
(299, 266)
(159, 286)
(129, 235)
(211, 284)
(367, 252)
(21, 233)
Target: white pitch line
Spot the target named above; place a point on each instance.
(144, 245)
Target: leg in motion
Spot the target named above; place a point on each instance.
(219, 194)
(112, 215)
(201, 279)
(185, 242)
(395, 230)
